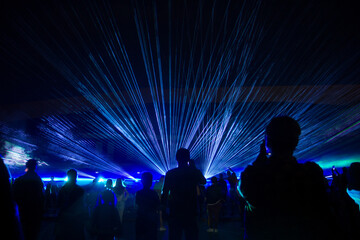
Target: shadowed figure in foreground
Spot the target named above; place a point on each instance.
(10, 222)
(214, 202)
(148, 202)
(72, 213)
(105, 222)
(286, 200)
(29, 195)
(345, 192)
(180, 188)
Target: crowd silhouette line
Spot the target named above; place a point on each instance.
(276, 197)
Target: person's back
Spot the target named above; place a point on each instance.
(223, 185)
(288, 200)
(348, 205)
(51, 193)
(213, 193)
(122, 195)
(9, 216)
(70, 196)
(72, 213)
(28, 194)
(214, 199)
(181, 183)
(148, 202)
(106, 220)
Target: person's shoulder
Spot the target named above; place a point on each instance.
(79, 189)
(248, 170)
(251, 173)
(193, 171)
(140, 192)
(38, 178)
(31, 176)
(311, 170)
(19, 179)
(153, 192)
(310, 165)
(172, 172)
(149, 193)
(197, 171)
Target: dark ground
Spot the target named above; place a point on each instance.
(229, 228)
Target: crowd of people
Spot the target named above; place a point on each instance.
(278, 197)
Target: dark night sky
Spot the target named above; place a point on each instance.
(293, 21)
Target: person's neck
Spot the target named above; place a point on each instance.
(182, 165)
(71, 182)
(282, 156)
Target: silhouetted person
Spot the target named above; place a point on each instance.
(214, 199)
(106, 220)
(109, 184)
(29, 195)
(233, 196)
(224, 191)
(10, 223)
(51, 193)
(122, 195)
(287, 200)
(354, 176)
(181, 183)
(72, 213)
(158, 189)
(223, 185)
(346, 207)
(92, 194)
(200, 191)
(148, 202)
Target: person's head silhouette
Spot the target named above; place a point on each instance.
(146, 180)
(214, 180)
(282, 136)
(109, 183)
(31, 165)
(182, 157)
(119, 183)
(354, 176)
(71, 175)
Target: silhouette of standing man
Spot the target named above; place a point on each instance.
(72, 213)
(287, 200)
(28, 194)
(181, 184)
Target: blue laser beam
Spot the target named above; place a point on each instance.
(207, 85)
